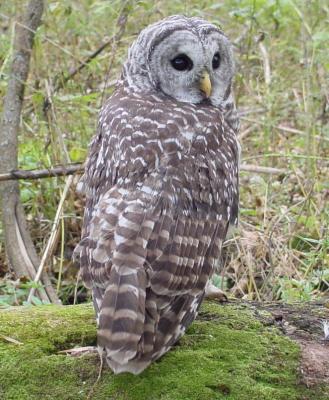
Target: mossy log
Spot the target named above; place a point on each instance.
(236, 351)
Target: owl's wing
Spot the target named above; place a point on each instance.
(148, 272)
(120, 231)
(146, 260)
(126, 148)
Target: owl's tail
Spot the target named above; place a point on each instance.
(137, 350)
(122, 314)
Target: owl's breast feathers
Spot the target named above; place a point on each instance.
(161, 183)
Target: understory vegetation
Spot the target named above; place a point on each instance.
(280, 250)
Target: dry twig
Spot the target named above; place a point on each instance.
(42, 173)
(266, 61)
(52, 238)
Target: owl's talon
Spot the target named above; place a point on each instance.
(213, 293)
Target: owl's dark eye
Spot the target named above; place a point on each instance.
(182, 63)
(216, 61)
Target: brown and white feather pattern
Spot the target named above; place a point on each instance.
(161, 186)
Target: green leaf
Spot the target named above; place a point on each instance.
(78, 154)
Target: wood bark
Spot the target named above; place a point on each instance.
(20, 250)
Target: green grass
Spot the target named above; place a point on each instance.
(226, 354)
(283, 234)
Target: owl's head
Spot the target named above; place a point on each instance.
(188, 59)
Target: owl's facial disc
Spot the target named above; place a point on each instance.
(190, 67)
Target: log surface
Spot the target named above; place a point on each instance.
(235, 351)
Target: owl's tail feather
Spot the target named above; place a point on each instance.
(161, 332)
(121, 319)
(122, 312)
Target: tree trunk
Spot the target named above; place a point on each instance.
(20, 250)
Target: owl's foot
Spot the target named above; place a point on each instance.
(213, 293)
(79, 351)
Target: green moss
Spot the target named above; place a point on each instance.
(226, 354)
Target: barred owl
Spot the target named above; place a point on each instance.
(161, 187)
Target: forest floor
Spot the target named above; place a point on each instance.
(280, 251)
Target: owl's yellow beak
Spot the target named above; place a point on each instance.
(205, 84)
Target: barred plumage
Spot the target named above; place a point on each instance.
(161, 185)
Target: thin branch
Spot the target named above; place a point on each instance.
(54, 127)
(266, 63)
(281, 128)
(61, 83)
(42, 173)
(33, 31)
(52, 238)
(121, 24)
(242, 135)
(243, 111)
(262, 170)
(79, 168)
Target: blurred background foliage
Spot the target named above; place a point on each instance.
(280, 250)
